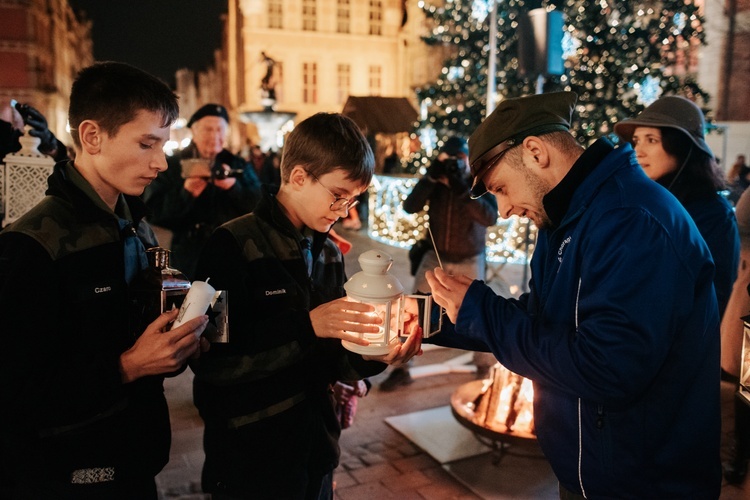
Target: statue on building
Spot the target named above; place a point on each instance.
(268, 83)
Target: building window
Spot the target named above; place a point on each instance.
(376, 17)
(344, 79)
(309, 15)
(343, 16)
(376, 78)
(310, 83)
(275, 14)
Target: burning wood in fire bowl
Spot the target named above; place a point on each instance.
(500, 406)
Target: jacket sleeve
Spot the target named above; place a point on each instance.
(627, 301)
(483, 210)
(46, 378)
(419, 195)
(717, 224)
(245, 194)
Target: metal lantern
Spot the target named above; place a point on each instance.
(400, 313)
(744, 390)
(156, 289)
(24, 178)
(373, 285)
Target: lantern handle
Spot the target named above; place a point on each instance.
(424, 315)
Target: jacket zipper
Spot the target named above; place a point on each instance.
(580, 426)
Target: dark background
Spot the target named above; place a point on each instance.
(158, 36)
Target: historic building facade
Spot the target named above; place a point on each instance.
(314, 54)
(724, 72)
(43, 45)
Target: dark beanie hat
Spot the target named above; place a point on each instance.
(511, 122)
(209, 110)
(671, 111)
(455, 145)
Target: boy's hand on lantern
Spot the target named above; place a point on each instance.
(159, 350)
(344, 319)
(401, 353)
(448, 290)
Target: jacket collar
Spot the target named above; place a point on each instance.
(67, 183)
(268, 209)
(557, 201)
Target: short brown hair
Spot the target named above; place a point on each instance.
(112, 94)
(325, 142)
(561, 140)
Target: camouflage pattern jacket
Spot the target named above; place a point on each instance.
(63, 296)
(264, 396)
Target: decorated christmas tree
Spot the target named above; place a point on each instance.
(618, 57)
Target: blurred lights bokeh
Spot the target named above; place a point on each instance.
(509, 241)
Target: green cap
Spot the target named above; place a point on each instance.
(510, 123)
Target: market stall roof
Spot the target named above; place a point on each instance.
(375, 114)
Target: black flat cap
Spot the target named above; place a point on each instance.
(510, 123)
(209, 110)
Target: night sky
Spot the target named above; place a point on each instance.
(159, 36)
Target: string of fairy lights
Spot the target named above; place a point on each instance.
(510, 241)
(618, 57)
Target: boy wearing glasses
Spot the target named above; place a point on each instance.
(270, 426)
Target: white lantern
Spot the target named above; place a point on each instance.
(373, 285)
(24, 178)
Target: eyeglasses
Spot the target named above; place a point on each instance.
(489, 160)
(338, 202)
(479, 188)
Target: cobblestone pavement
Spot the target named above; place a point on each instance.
(377, 462)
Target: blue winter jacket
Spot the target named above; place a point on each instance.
(620, 334)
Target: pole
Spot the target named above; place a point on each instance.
(492, 62)
(731, 13)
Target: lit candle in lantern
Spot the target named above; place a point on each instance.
(373, 285)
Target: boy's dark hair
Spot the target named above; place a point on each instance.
(326, 142)
(112, 94)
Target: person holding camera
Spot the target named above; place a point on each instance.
(14, 116)
(459, 226)
(204, 187)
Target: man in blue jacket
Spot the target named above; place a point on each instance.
(619, 331)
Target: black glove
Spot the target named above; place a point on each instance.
(39, 128)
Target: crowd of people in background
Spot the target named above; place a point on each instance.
(621, 227)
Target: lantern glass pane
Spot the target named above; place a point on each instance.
(745, 363)
(427, 315)
(389, 313)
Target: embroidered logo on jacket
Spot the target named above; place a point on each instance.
(562, 249)
(280, 291)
